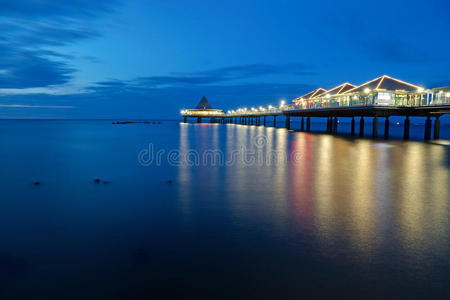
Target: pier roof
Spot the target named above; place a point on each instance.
(314, 93)
(203, 104)
(385, 83)
(340, 89)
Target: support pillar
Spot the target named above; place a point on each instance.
(375, 127)
(288, 122)
(406, 129)
(361, 126)
(328, 125)
(185, 120)
(274, 121)
(264, 121)
(427, 133)
(308, 124)
(352, 132)
(437, 124)
(386, 128)
(302, 126)
(335, 125)
(199, 119)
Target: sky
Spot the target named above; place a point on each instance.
(149, 59)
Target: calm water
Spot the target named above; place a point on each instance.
(339, 216)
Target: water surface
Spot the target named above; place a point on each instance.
(331, 215)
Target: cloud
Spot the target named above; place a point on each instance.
(34, 106)
(214, 76)
(396, 51)
(23, 68)
(31, 28)
(161, 102)
(440, 83)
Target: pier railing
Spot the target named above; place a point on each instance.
(420, 100)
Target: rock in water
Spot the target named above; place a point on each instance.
(97, 180)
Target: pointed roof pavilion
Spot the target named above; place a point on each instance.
(385, 83)
(203, 104)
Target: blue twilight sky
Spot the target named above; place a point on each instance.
(149, 59)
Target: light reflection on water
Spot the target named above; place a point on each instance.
(341, 213)
(369, 203)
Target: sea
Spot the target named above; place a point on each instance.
(163, 209)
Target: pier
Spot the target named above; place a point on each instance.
(374, 101)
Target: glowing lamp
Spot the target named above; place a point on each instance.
(366, 90)
(328, 96)
(420, 90)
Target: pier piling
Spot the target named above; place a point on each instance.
(361, 126)
(302, 125)
(386, 128)
(352, 130)
(437, 123)
(288, 122)
(375, 127)
(335, 125)
(406, 129)
(308, 124)
(427, 133)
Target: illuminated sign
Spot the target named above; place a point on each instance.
(384, 96)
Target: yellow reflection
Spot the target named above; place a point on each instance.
(184, 173)
(324, 189)
(423, 211)
(362, 201)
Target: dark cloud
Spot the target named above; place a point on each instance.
(395, 51)
(440, 83)
(51, 8)
(30, 27)
(148, 103)
(213, 76)
(23, 69)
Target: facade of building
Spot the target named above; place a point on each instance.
(383, 91)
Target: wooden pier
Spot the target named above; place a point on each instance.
(374, 101)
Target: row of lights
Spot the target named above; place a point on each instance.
(244, 110)
(283, 102)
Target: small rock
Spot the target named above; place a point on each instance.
(97, 180)
(169, 181)
(37, 183)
